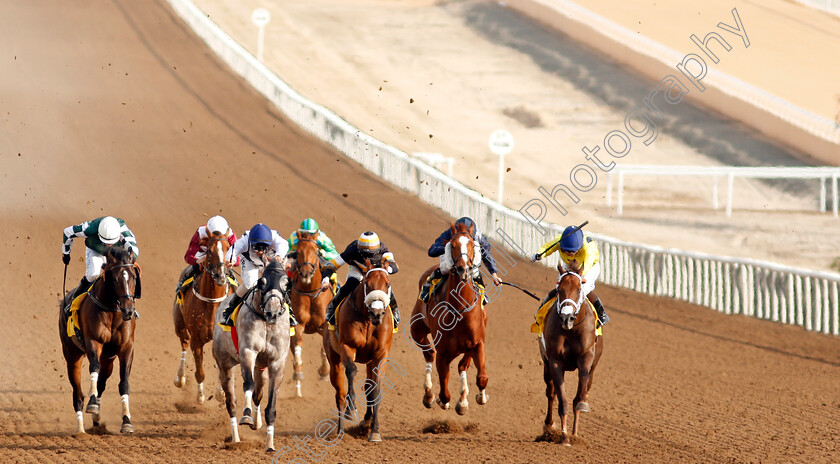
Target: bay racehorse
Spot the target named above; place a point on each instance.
(262, 331)
(456, 320)
(106, 319)
(194, 315)
(364, 332)
(569, 342)
(309, 302)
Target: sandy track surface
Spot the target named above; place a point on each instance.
(103, 114)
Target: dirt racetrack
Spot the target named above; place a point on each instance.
(113, 107)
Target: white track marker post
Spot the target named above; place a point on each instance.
(260, 17)
(501, 143)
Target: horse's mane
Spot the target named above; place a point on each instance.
(120, 255)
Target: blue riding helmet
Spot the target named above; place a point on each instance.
(572, 240)
(260, 233)
(467, 222)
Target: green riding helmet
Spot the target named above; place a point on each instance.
(309, 226)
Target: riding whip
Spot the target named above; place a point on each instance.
(577, 228)
(522, 289)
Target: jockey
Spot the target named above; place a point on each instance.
(256, 247)
(327, 250)
(100, 234)
(369, 247)
(195, 255)
(439, 249)
(578, 248)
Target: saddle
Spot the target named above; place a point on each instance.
(179, 297)
(74, 330)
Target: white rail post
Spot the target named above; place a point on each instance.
(729, 181)
(621, 195)
(822, 194)
(715, 204)
(834, 193)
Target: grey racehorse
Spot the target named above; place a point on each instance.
(262, 328)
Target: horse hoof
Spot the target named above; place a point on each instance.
(442, 405)
(374, 437)
(427, 402)
(482, 398)
(582, 407)
(298, 391)
(92, 408)
(249, 421)
(180, 381)
(549, 428)
(200, 399)
(127, 428)
(461, 410)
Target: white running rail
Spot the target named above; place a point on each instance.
(733, 286)
(729, 173)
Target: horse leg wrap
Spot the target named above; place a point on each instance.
(94, 378)
(125, 410)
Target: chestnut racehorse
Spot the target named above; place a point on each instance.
(568, 343)
(309, 302)
(194, 316)
(456, 320)
(107, 319)
(364, 332)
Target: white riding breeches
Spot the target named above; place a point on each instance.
(355, 273)
(250, 273)
(590, 278)
(93, 264)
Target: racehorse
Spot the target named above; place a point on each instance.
(194, 316)
(568, 343)
(309, 302)
(456, 319)
(262, 328)
(364, 332)
(106, 318)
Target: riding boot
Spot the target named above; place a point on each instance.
(292, 321)
(599, 308)
(342, 294)
(82, 288)
(228, 312)
(427, 286)
(191, 271)
(395, 309)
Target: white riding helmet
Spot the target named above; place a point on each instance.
(109, 230)
(217, 224)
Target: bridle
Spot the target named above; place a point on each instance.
(299, 268)
(265, 299)
(215, 275)
(118, 297)
(576, 304)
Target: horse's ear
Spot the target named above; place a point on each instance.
(261, 284)
(368, 265)
(452, 228)
(137, 286)
(582, 280)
